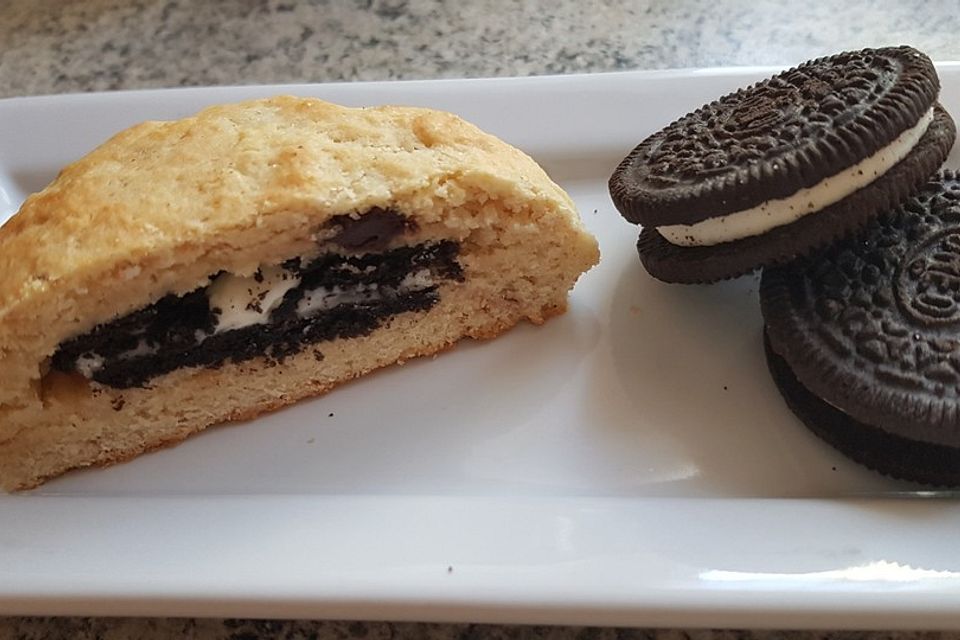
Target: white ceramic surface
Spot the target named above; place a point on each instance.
(627, 463)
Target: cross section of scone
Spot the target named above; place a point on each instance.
(209, 269)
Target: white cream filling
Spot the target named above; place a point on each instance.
(243, 301)
(776, 213)
(88, 364)
(142, 349)
(326, 298)
(417, 281)
(247, 300)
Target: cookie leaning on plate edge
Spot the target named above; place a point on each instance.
(776, 170)
(863, 338)
(209, 269)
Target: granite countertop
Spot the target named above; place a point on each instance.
(94, 45)
(50, 46)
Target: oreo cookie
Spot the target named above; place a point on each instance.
(771, 172)
(864, 338)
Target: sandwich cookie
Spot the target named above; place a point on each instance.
(773, 171)
(863, 338)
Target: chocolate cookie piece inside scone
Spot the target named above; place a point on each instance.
(864, 338)
(274, 313)
(773, 171)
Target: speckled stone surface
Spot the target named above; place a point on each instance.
(53, 46)
(157, 629)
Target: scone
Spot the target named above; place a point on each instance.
(209, 269)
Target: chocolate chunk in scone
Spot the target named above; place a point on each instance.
(864, 338)
(773, 171)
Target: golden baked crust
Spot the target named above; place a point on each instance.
(162, 206)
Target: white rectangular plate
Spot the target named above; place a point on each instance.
(627, 463)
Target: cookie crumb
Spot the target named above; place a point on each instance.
(117, 403)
